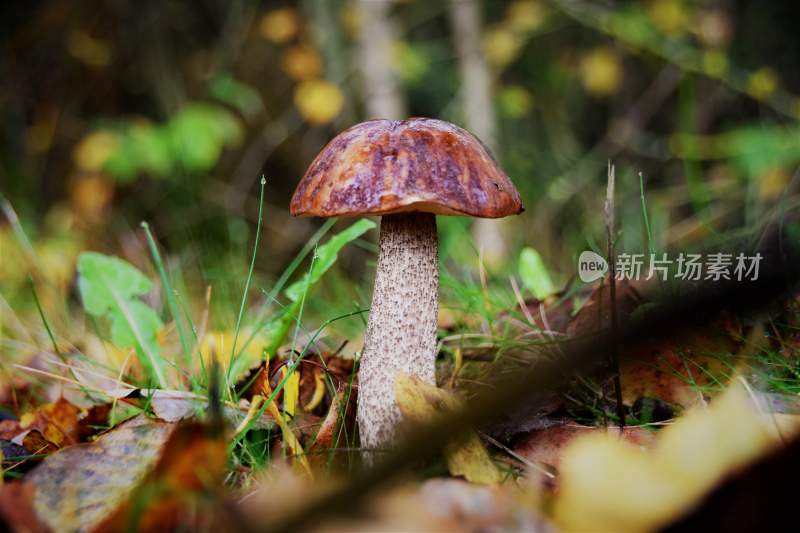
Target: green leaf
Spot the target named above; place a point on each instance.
(135, 325)
(195, 138)
(237, 94)
(100, 273)
(109, 286)
(534, 273)
(130, 315)
(152, 149)
(326, 256)
(412, 62)
(122, 164)
(756, 149)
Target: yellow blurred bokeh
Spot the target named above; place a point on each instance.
(600, 71)
(318, 101)
(280, 25)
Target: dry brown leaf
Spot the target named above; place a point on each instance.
(58, 422)
(9, 429)
(81, 485)
(16, 509)
(420, 402)
(547, 445)
(182, 485)
(177, 405)
(33, 441)
(336, 430)
(680, 371)
(595, 314)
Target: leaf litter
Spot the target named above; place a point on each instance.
(694, 419)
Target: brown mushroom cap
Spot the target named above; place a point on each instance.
(381, 167)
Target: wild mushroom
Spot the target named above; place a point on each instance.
(408, 172)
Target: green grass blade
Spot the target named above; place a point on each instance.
(248, 282)
(648, 231)
(171, 302)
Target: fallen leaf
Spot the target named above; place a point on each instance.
(16, 509)
(182, 484)
(547, 445)
(318, 390)
(682, 371)
(9, 429)
(761, 498)
(58, 422)
(11, 453)
(290, 440)
(609, 485)
(420, 402)
(595, 314)
(443, 504)
(336, 431)
(340, 417)
(177, 405)
(93, 380)
(79, 486)
(33, 441)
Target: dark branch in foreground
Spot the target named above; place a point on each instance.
(778, 278)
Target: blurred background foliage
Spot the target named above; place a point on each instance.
(114, 112)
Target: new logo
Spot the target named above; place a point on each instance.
(591, 266)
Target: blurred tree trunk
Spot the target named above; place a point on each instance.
(377, 34)
(478, 110)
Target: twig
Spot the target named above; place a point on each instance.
(527, 462)
(612, 284)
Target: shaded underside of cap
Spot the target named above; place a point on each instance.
(381, 167)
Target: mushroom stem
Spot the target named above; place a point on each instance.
(401, 333)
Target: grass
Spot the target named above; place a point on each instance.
(248, 281)
(490, 328)
(169, 294)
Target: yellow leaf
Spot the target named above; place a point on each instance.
(421, 402)
(218, 345)
(318, 101)
(279, 25)
(772, 183)
(715, 63)
(609, 485)
(501, 46)
(762, 83)
(600, 71)
(90, 195)
(291, 391)
(319, 393)
(58, 422)
(526, 15)
(95, 149)
(669, 16)
(290, 440)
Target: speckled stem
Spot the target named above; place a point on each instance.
(401, 333)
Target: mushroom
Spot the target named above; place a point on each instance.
(407, 172)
